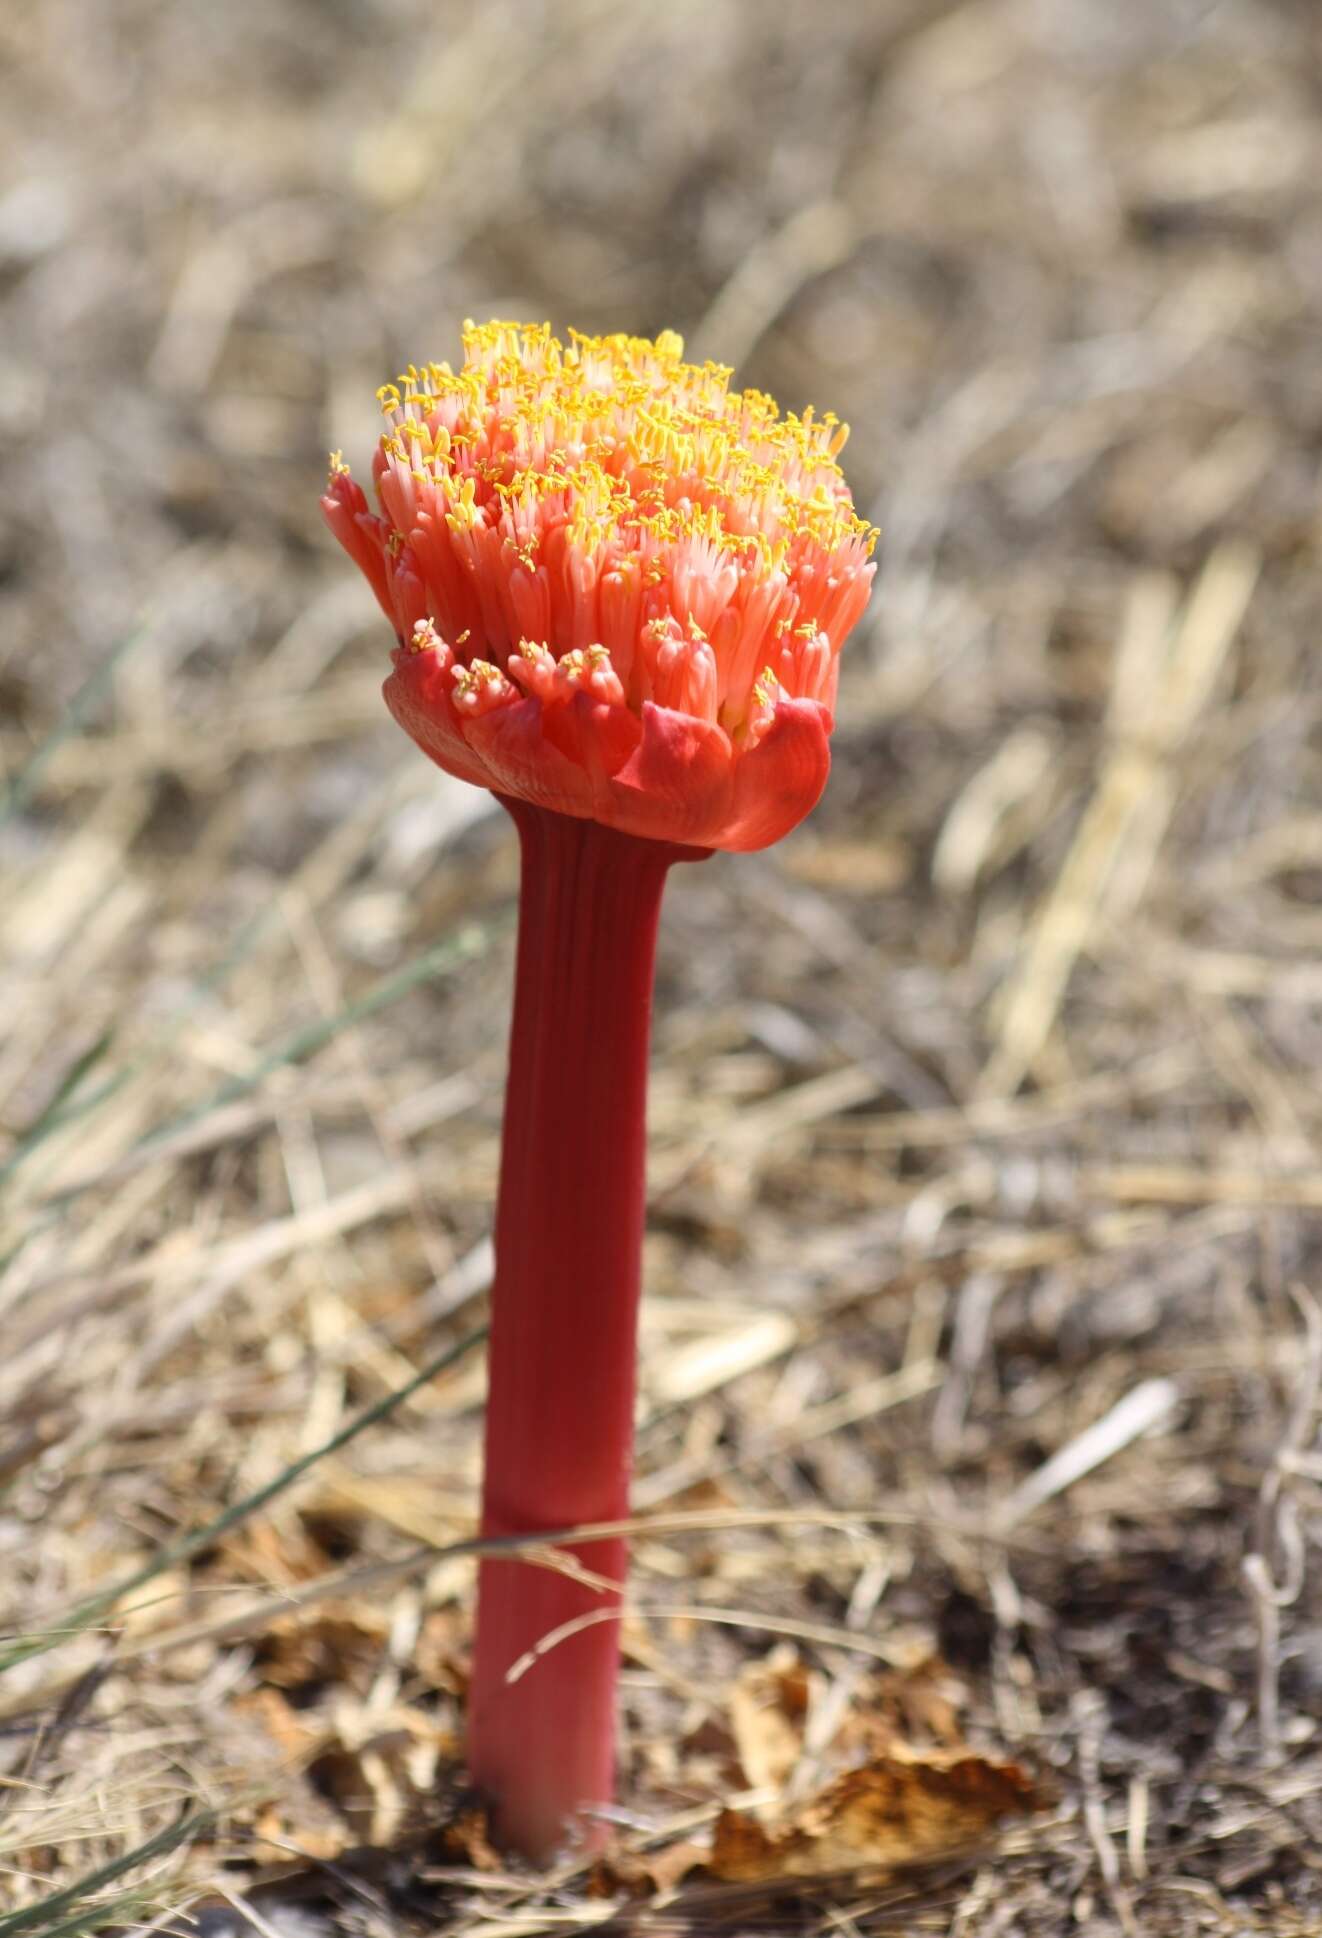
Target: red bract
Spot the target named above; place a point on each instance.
(619, 590)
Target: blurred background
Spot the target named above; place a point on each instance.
(986, 1183)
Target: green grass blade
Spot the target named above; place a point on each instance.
(68, 1109)
(128, 1908)
(75, 716)
(34, 1917)
(468, 943)
(96, 1608)
(465, 946)
(56, 1110)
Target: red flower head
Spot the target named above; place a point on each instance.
(620, 589)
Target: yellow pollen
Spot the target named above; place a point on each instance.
(656, 534)
(645, 451)
(481, 673)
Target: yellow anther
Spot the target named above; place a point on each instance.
(766, 688)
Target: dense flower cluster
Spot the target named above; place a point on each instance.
(619, 587)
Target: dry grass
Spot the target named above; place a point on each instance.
(984, 1259)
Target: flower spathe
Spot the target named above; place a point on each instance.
(619, 588)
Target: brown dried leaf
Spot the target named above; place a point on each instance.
(645, 1874)
(277, 1830)
(768, 1711)
(293, 1731)
(440, 1652)
(888, 1812)
(380, 1769)
(295, 1817)
(339, 1643)
(466, 1839)
(913, 1708)
(277, 1556)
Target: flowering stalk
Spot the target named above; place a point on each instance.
(569, 1227)
(619, 590)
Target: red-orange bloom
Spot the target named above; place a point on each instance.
(620, 589)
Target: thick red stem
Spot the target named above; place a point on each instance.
(564, 1315)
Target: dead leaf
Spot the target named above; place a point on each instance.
(892, 1811)
(277, 1556)
(295, 1816)
(381, 1768)
(294, 1732)
(339, 1644)
(645, 1874)
(912, 1708)
(466, 1839)
(440, 1652)
(768, 1711)
(277, 1831)
(353, 1772)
